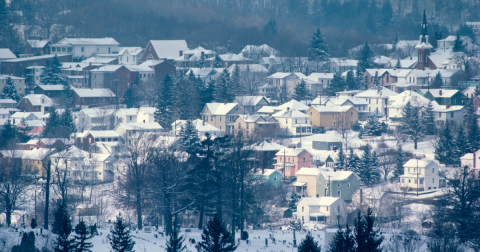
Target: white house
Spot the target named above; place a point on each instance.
(421, 175)
(128, 130)
(452, 114)
(94, 119)
(322, 210)
(202, 128)
(85, 47)
(377, 100)
(164, 49)
(448, 43)
(398, 102)
(126, 115)
(146, 115)
(472, 160)
(129, 55)
(294, 122)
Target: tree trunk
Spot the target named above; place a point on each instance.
(200, 218)
(139, 211)
(415, 144)
(47, 197)
(242, 200)
(168, 222)
(8, 212)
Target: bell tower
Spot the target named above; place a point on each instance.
(423, 47)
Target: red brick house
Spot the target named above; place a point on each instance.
(94, 97)
(161, 68)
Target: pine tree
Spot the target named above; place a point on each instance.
(412, 124)
(458, 45)
(207, 94)
(175, 241)
(373, 127)
(399, 163)
(82, 238)
(63, 227)
(189, 138)
(27, 244)
(216, 238)
(359, 78)
(366, 58)
(368, 168)
(51, 125)
(217, 62)
(202, 63)
(301, 92)
(343, 241)
(437, 81)
(459, 145)
(470, 121)
(398, 65)
(67, 124)
(444, 146)
(318, 50)
(164, 113)
(351, 81)
(68, 95)
(52, 73)
(309, 245)
(270, 29)
(292, 204)
(120, 238)
(336, 85)
(224, 91)
(9, 91)
(429, 118)
(353, 162)
(33, 223)
(376, 81)
(340, 161)
(366, 237)
(394, 44)
(236, 81)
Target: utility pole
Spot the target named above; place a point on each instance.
(417, 157)
(428, 81)
(329, 186)
(284, 164)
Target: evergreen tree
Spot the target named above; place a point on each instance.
(459, 145)
(429, 119)
(353, 162)
(202, 63)
(27, 244)
(120, 238)
(68, 98)
(394, 44)
(399, 161)
(164, 113)
(9, 91)
(444, 147)
(458, 45)
(340, 163)
(318, 50)
(336, 85)
(33, 223)
(270, 29)
(350, 81)
(301, 92)
(207, 94)
(224, 91)
(175, 241)
(309, 245)
(386, 15)
(376, 81)
(52, 73)
(359, 78)
(216, 238)
(343, 241)
(366, 58)
(366, 237)
(470, 122)
(189, 138)
(412, 124)
(466, 30)
(82, 238)
(294, 198)
(368, 168)
(373, 127)
(437, 81)
(217, 62)
(398, 65)
(67, 124)
(63, 227)
(236, 82)
(51, 125)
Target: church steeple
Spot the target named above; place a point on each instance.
(424, 27)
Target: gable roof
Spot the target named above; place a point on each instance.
(247, 100)
(94, 92)
(38, 43)
(292, 113)
(201, 126)
(89, 41)
(51, 87)
(131, 50)
(442, 93)
(36, 100)
(293, 104)
(337, 175)
(291, 152)
(218, 108)
(327, 109)
(382, 93)
(169, 49)
(5, 53)
(279, 75)
(267, 145)
(321, 201)
(306, 171)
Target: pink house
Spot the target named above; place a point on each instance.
(289, 161)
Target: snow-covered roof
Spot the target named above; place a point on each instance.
(5, 53)
(267, 145)
(29, 115)
(71, 153)
(381, 71)
(139, 68)
(279, 75)
(293, 104)
(443, 108)
(252, 68)
(400, 100)
(421, 163)
(382, 60)
(317, 76)
(202, 72)
(248, 100)
(51, 87)
(375, 93)
(266, 172)
(147, 110)
(292, 113)
(100, 60)
(344, 62)
(305, 171)
(353, 100)
(94, 92)
(233, 57)
(7, 101)
(337, 175)
(327, 109)
(89, 41)
(131, 50)
(169, 49)
(452, 38)
(108, 68)
(290, 152)
(140, 126)
(321, 201)
(151, 63)
(34, 154)
(97, 112)
(38, 43)
(5, 76)
(98, 133)
(201, 126)
(440, 93)
(127, 111)
(39, 100)
(262, 49)
(218, 108)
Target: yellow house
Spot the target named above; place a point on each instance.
(251, 125)
(222, 115)
(32, 160)
(332, 117)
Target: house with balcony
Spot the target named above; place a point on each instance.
(421, 175)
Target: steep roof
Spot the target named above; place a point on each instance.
(327, 109)
(321, 201)
(337, 175)
(252, 68)
(39, 100)
(94, 92)
(169, 49)
(291, 152)
(278, 75)
(267, 145)
(132, 50)
(442, 93)
(5, 53)
(375, 93)
(233, 57)
(201, 126)
(140, 126)
(218, 108)
(247, 100)
(292, 113)
(98, 133)
(293, 104)
(421, 163)
(38, 43)
(51, 87)
(305, 171)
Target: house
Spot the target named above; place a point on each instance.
(8, 103)
(469, 92)
(270, 176)
(33, 76)
(327, 143)
(164, 49)
(206, 74)
(18, 82)
(420, 175)
(398, 102)
(222, 115)
(229, 59)
(202, 128)
(6, 54)
(33, 160)
(102, 59)
(252, 75)
(36, 103)
(385, 77)
(52, 91)
(360, 104)
(338, 65)
(78, 73)
(146, 115)
(402, 63)
(472, 160)
(192, 58)
(85, 47)
(252, 104)
(143, 72)
(95, 119)
(289, 161)
(256, 125)
(400, 87)
(126, 115)
(448, 43)
(325, 182)
(293, 122)
(130, 130)
(129, 55)
(323, 210)
(257, 52)
(263, 154)
(86, 139)
(116, 77)
(56, 143)
(332, 117)
(20, 66)
(37, 47)
(319, 82)
(377, 100)
(452, 114)
(444, 96)
(284, 84)
(161, 68)
(94, 97)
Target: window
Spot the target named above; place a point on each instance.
(433, 180)
(403, 180)
(275, 178)
(433, 170)
(351, 114)
(82, 49)
(409, 181)
(339, 193)
(327, 208)
(338, 184)
(304, 160)
(439, 114)
(130, 118)
(348, 184)
(451, 114)
(421, 181)
(303, 209)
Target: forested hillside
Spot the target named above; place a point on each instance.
(231, 24)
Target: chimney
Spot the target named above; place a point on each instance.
(440, 92)
(225, 102)
(203, 123)
(203, 54)
(180, 53)
(448, 106)
(288, 108)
